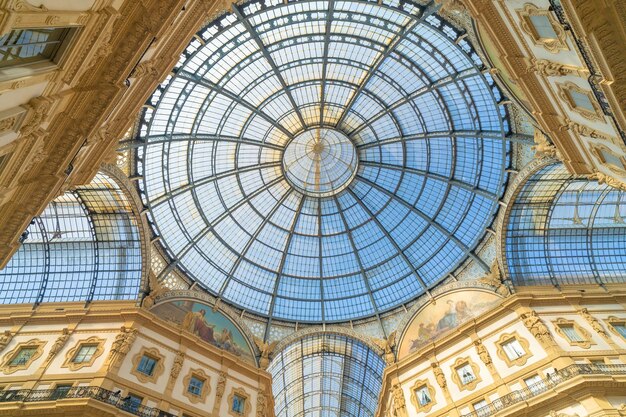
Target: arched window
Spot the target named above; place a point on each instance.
(566, 230)
(326, 374)
(84, 246)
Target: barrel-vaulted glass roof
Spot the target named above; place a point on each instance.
(323, 160)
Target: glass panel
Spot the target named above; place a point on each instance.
(466, 374)
(296, 174)
(195, 385)
(581, 100)
(146, 365)
(571, 333)
(513, 349)
(23, 46)
(238, 404)
(481, 407)
(543, 26)
(621, 329)
(23, 356)
(423, 396)
(84, 354)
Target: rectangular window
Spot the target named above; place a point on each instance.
(60, 391)
(23, 356)
(195, 386)
(620, 328)
(146, 365)
(423, 396)
(570, 332)
(238, 404)
(513, 349)
(535, 384)
(481, 407)
(581, 100)
(543, 26)
(84, 353)
(25, 46)
(132, 402)
(466, 374)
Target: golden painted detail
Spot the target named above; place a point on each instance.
(5, 339)
(261, 403)
(605, 179)
(156, 289)
(593, 322)
(561, 324)
(423, 396)
(219, 391)
(159, 368)
(7, 124)
(554, 45)
(583, 130)
(549, 68)
(71, 354)
(482, 352)
(177, 366)
(569, 89)
(8, 368)
(265, 350)
(537, 328)
(501, 349)
(206, 388)
(388, 346)
(237, 394)
(613, 321)
(543, 148)
(58, 344)
(465, 374)
(439, 376)
(494, 279)
(399, 404)
(121, 345)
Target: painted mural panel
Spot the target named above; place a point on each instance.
(211, 326)
(444, 314)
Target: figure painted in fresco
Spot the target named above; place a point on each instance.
(209, 325)
(447, 313)
(195, 322)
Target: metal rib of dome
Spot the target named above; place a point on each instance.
(391, 212)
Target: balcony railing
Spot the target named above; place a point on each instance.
(551, 381)
(95, 393)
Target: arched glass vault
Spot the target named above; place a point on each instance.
(323, 161)
(566, 230)
(326, 375)
(85, 246)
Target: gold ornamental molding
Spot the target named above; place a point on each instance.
(204, 391)
(585, 341)
(71, 354)
(423, 396)
(7, 367)
(237, 394)
(553, 45)
(508, 337)
(460, 364)
(159, 368)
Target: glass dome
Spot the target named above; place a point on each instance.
(323, 161)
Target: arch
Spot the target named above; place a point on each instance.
(84, 246)
(561, 229)
(326, 370)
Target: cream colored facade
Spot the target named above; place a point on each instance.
(122, 333)
(566, 387)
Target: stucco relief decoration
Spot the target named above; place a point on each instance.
(58, 344)
(443, 315)
(210, 326)
(537, 328)
(388, 346)
(605, 179)
(266, 349)
(121, 345)
(5, 339)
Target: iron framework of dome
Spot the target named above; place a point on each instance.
(323, 161)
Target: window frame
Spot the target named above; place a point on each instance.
(241, 393)
(585, 341)
(507, 338)
(461, 363)
(419, 385)
(204, 391)
(44, 64)
(159, 367)
(9, 368)
(553, 45)
(565, 93)
(612, 321)
(70, 355)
